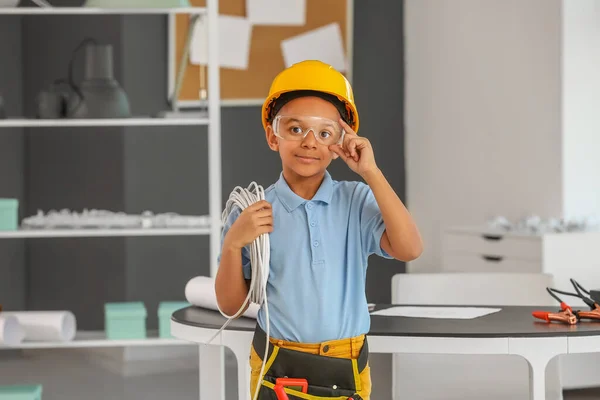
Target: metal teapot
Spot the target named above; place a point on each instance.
(99, 95)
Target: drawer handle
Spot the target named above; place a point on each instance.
(492, 258)
(488, 236)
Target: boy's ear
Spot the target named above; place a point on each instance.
(271, 139)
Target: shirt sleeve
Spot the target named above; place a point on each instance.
(246, 267)
(371, 224)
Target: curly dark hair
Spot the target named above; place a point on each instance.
(285, 98)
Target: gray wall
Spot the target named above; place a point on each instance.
(378, 81)
(73, 168)
(12, 179)
(165, 168)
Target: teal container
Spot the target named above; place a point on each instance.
(9, 214)
(165, 311)
(21, 392)
(125, 320)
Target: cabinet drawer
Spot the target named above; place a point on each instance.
(488, 263)
(524, 247)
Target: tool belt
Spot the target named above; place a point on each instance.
(326, 377)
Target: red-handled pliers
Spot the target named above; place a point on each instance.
(282, 383)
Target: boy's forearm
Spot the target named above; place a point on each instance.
(230, 285)
(401, 229)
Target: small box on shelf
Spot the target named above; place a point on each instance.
(9, 214)
(21, 392)
(165, 310)
(126, 320)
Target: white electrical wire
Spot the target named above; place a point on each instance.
(259, 260)
(42, 3)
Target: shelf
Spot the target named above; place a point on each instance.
(91, 232)
(24, 123)
(86, 339)
(66, 374)
(98, 11)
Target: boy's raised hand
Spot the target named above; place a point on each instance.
(356, 151)
(252, 222)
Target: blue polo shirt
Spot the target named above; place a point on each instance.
(318, 260)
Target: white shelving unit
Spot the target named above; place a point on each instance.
(65, 375)
(212, 120)
(54, 233)
(100, 11)
(85, 339)
(40, 123)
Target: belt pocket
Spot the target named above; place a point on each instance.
(267, 392)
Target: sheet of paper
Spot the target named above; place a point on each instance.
(234, 42)
(323, 44)
(436, 312)
(276, 12)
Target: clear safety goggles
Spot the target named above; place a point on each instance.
(326, 131)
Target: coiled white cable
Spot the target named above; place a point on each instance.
(259, 260)
(42, 3)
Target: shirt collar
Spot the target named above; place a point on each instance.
(291, 200)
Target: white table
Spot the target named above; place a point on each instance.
(511, 331)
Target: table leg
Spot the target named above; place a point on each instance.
(241, 349)
(538, 352)
(212, 372)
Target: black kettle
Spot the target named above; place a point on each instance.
(99, 95)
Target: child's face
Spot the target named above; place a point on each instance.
(306, 157)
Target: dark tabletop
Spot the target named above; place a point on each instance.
(510, 321)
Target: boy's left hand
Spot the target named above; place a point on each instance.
(356, 151)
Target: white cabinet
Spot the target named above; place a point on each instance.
(472, 250)
(564, 255)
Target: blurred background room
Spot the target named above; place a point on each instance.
(126, 124)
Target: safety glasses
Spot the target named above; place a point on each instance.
(295, 128)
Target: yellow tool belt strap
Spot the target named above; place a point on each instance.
(327, 377)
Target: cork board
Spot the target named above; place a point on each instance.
(241, 87)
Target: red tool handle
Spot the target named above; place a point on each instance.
(564, 306)
(281, 383)
(541, 315)
(280, 392)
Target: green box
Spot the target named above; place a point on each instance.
(9, 214)
(165, 311)
(125, 320)
(21, 392)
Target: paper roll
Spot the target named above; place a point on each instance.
(11, 332)
(46, 326)
(200, 291)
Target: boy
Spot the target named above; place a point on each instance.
(321, 233)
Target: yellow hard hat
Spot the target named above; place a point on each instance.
(316, 76)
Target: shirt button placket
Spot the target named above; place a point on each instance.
(315, 234)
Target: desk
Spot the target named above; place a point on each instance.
(511, 331)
